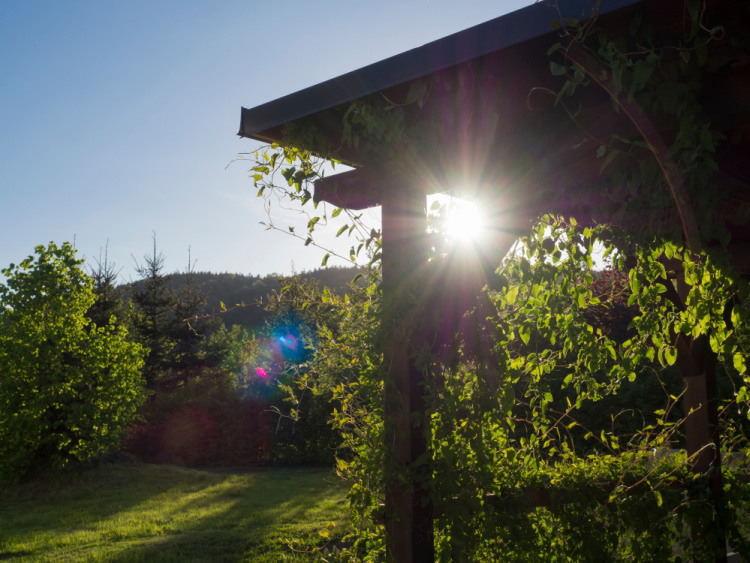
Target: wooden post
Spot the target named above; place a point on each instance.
(409, 527)
(702, 435)
(696, 362)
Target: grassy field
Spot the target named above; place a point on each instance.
(138, 512)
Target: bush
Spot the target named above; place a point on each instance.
(68, 388)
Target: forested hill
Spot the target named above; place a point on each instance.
(233, 289)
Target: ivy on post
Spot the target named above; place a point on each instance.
(409, 529)
(696, 362)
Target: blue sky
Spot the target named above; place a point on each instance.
(120, 118)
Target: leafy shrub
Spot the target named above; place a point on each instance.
(68, 388)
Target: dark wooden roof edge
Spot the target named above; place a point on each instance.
(493, 35)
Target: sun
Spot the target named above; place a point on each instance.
(463, 218)
(464, 221)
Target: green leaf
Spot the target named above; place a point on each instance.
(417, 92)
(325, 259)
(557, 69)
(607, 161)
(524, 333)
(336, 212)
(670, 354)
(643, 70)
(736, 316)
(581, 300)
(611, 349)
(635, 283)
(739, 363)
(511, 295)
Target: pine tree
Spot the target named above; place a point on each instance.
(154, 316)
(109, 298)
(190, 338)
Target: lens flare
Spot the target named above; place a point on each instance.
(261, 372)
(289, 341)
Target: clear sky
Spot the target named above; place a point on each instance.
(120, 118)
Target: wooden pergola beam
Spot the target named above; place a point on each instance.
(355, 189)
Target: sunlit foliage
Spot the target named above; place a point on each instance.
(68, 388)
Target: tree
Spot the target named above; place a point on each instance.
(190, 338)
(67, 389)
(109, 300)
(154, 304)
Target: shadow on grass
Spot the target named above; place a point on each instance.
(7, 555)
(250, 517)
(40, 514)
(140, 512)
(246, 517)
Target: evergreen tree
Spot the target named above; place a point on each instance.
(109, 298)
(154, 316)
(190, 334)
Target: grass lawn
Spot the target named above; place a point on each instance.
(138, 512)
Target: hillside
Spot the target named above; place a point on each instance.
(235, 289)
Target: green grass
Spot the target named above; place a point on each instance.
(136, 512)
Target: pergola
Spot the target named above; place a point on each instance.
(506, 144)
